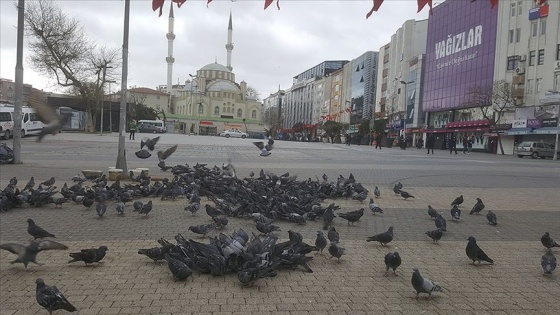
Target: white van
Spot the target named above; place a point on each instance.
(158, 124)
(30, 122)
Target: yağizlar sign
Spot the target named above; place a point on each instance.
(459, 42)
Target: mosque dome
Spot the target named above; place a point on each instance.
(215, 66)
(222, 86)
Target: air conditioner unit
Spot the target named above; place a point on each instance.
(520, 70)
(522, 57)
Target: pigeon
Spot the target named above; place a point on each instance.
(376, 192)
(432, 212)
(119, 206)
(101, 208)
(137, 205)
(220, 222)
(491, 217)
(155, 253)
(392, 261)
(162, 155)
(51, 298)
(36, 231)
(435, 235)
(455, 213)
(143, 154)
(247, 277)
(49, 182)
(475, 253)
(201, 229)
(406, 195)
(89, 256)
(149, 143)
(267, 228)
(396, 190)
(441, 223)
(459, 200)
(146, 208)
(163, 167)
(336, 251)
(213, 211)
(383, 238)
(352, 216)
(194, 205)
(178, 268)
(478, 206)
(59, 201)
(328, 217)
(423, 285)
(548, 262)
(27, 254)
(399, 186)
(87, 202)
(13, 181)
(320, 242)
(547, 241)
(374, 207)
(265, 149)
(333, 235)
(30, 184)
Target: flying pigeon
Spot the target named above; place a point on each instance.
(320, 241)
(165, 154)
(383, 238)
(478, 206)
(51, 298)
(548, 262)
(163, 167)
(374, 207)
(53, 121)
(435, 235)
(27, 254)
(265, 149)
(36, 231)
(455, 213)
(491, 217)
(547, 241)
(475, 253)
(149, 143)
(143, 154)
(392, 261)
(432, 212)
(459, 200)
(406, 195)
(423, 285)
(336, 251)
(89, 256)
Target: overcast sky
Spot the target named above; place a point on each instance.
(270, 46)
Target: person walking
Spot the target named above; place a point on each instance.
(452, 144)
(132, 129)
(465, 144)
(348, 139)
(378, 139)
(469, 144)
(430, 143)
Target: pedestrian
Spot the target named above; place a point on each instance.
(132, 129)
(465, 144)
(378, 139)
(469, 144)
(430, 143)
(348, 139)
(452, 144)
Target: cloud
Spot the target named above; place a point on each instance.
(270, 46)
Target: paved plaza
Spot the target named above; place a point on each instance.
(524, 193)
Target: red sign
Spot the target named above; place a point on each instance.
(208, 123)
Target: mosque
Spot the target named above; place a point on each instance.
(211, 101)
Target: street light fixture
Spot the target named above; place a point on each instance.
(405, 84)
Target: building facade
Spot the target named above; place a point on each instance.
(151, 98)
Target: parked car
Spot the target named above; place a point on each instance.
(143, 128)
(234, 133)
(535, 149)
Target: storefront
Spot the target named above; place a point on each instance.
(544, 130)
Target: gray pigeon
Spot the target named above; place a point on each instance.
(441, 223)
(383, 238)
(89, 256)
(491, 217)
(36, 231)
(247, 277)
(178, 268)
(459, 200)
(201, 229)
(162, 155)
(27, 254)
(406, 195)
(119, 206)
(478, 206)
(423, 285)
(149, 143)
(547, 241)
(475, 253)
(392, 261)
(320, 242)
(376, 192)
(333, 235)
(51, 298)
(146, 208)
(435, 235)
(265, 149)
(548, 262)
(374, 207)
(143, 154)
(336, 251)
(432, 212)
(137, 205)
(101, 208)
(455, 213)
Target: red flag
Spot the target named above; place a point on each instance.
(269, 2)
(422, 4)
(493, 3)
(376, 5)
(157, 4)
(208, 3)
(540, 2)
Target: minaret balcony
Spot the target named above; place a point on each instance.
(170, 59)
(229, 46)
(170, 36)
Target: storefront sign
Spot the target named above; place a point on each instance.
(533, 123)
(206, 123)
(519, 123)
(549, 122)
(550, 98)
(500, 127)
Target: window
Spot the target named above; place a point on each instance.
(534, 29)
(512, 62)
(511, 35)
(519, 7)
(216, 111)
(254, 114)
(543, 26)
(541, 57)
(5, 117)
(530, 86)
(557, 81)
(558, 52)
(532, 58)
(513, 5)
(538, 86)
(200, 109)
(517, 35)
(239, 113)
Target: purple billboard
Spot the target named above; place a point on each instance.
(460, 52)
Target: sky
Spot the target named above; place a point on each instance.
(270, 46)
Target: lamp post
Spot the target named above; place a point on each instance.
(121, 156)
(555, 157)
(405, 84)
(110, 105)
(192, 91)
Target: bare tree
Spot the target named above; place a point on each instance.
(60, 49)
(253, 93)
(493, 101)
(270, 118)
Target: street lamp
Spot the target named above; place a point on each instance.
(192, 105)
(110, 105)
(405, 84)
(555, 157)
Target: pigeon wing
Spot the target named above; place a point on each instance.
(13, 248)
(259, 144)
(48, 245)
(143, 154)
(165, 154)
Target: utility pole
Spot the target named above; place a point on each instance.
(121, 157)
(18, 85)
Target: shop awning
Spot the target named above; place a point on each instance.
(471, 129)
(517, 131)
(468, 124)
(436, 130)
(546, 131)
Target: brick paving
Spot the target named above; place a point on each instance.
(128, 283)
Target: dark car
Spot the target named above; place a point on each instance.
(146, 128)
